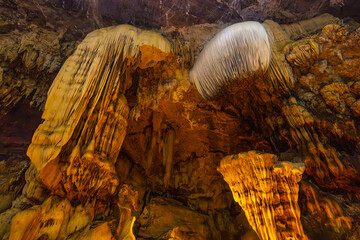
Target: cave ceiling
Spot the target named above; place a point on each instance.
(180, 13)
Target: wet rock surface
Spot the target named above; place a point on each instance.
(127, 147)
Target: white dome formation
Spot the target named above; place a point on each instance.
(239, 51)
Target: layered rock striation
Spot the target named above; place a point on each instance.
(129, 149)
(267, 191)
(71, 160)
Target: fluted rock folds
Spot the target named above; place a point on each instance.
(267, 191)
(84, 124)
(86, 111)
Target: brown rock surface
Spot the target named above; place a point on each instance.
(88, 92)
(35, 41)
(166, 219)
(71, 162)
(129, 149)
(153, 13)
(325, 211)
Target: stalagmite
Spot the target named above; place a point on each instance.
(267, 191)
(127, 233)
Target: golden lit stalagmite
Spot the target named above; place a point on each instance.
(311, 103)
(179, 153)
(267, 191)
(85, 119)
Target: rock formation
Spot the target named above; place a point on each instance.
(323, 209)
(127, 148)
(88, 93)
(267, 191)
(239, 51)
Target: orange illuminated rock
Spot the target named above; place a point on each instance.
(100, 232)
(168, 219)
(54, 219)
(76, 146)
(127, 142)
(267, 191)
(74, 150)
(322, 161)
(128, 207)
(323, 212)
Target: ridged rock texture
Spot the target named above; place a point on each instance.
(88, 93)
(240, 51)
(127, 148)
(267, 191)
(72, 162)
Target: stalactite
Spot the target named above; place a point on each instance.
(240, 51)
(267, 191)
(322, 162)
(322, 210)
(150, 142)
(280, 76)
(309, 27)
(168, 152)
(86, 117)
(86, 111)
(247, 50)
(74, 150)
